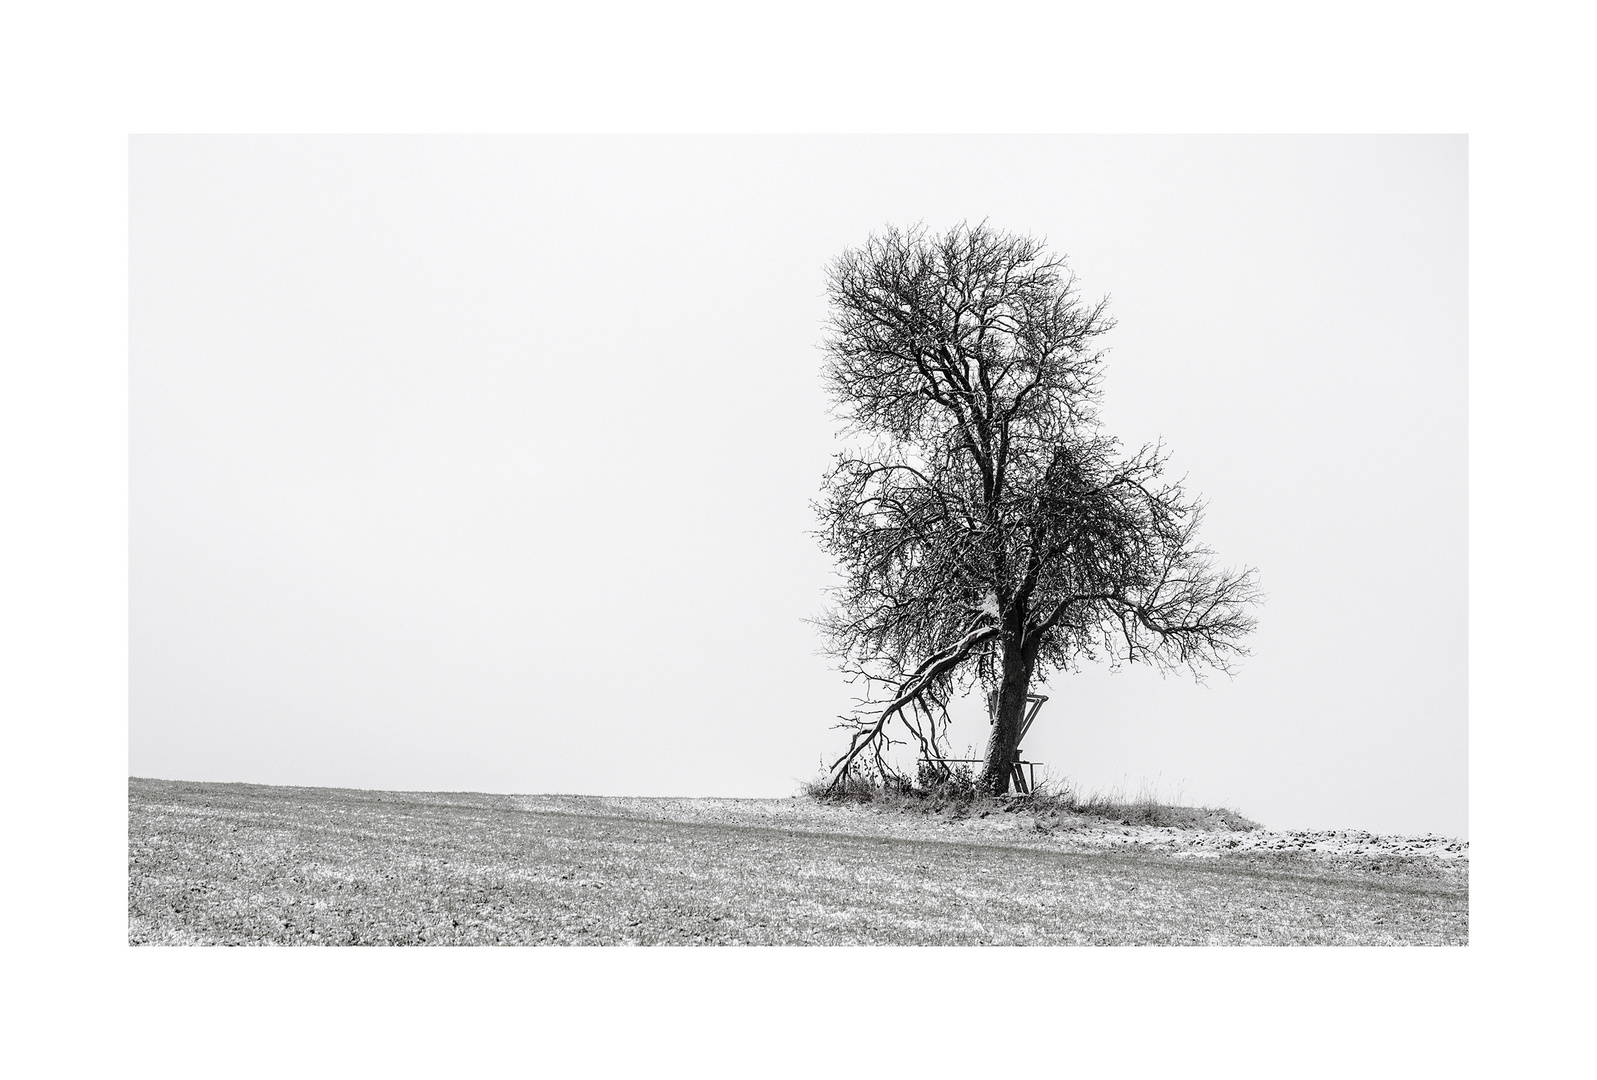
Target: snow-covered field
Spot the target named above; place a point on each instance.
(247, 864)
(1064, 831)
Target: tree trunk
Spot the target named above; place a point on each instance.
(998, 764)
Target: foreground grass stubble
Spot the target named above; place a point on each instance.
(242, 864)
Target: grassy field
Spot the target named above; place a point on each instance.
(241, 864)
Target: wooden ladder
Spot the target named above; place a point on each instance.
(1025, 775)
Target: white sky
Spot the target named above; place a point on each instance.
(486, 464)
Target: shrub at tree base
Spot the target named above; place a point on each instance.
(944, 789)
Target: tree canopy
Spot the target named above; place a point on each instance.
(985, 529)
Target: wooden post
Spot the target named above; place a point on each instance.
(1031, 714)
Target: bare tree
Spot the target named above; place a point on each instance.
(986, 531)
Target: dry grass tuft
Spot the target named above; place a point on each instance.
(953, 792)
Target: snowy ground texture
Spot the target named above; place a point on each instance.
(244, 864)
(1065, 831)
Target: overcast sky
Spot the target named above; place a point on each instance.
(470, 463)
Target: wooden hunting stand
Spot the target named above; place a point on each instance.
(1024, 777)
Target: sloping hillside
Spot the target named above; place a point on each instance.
(245, 864)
